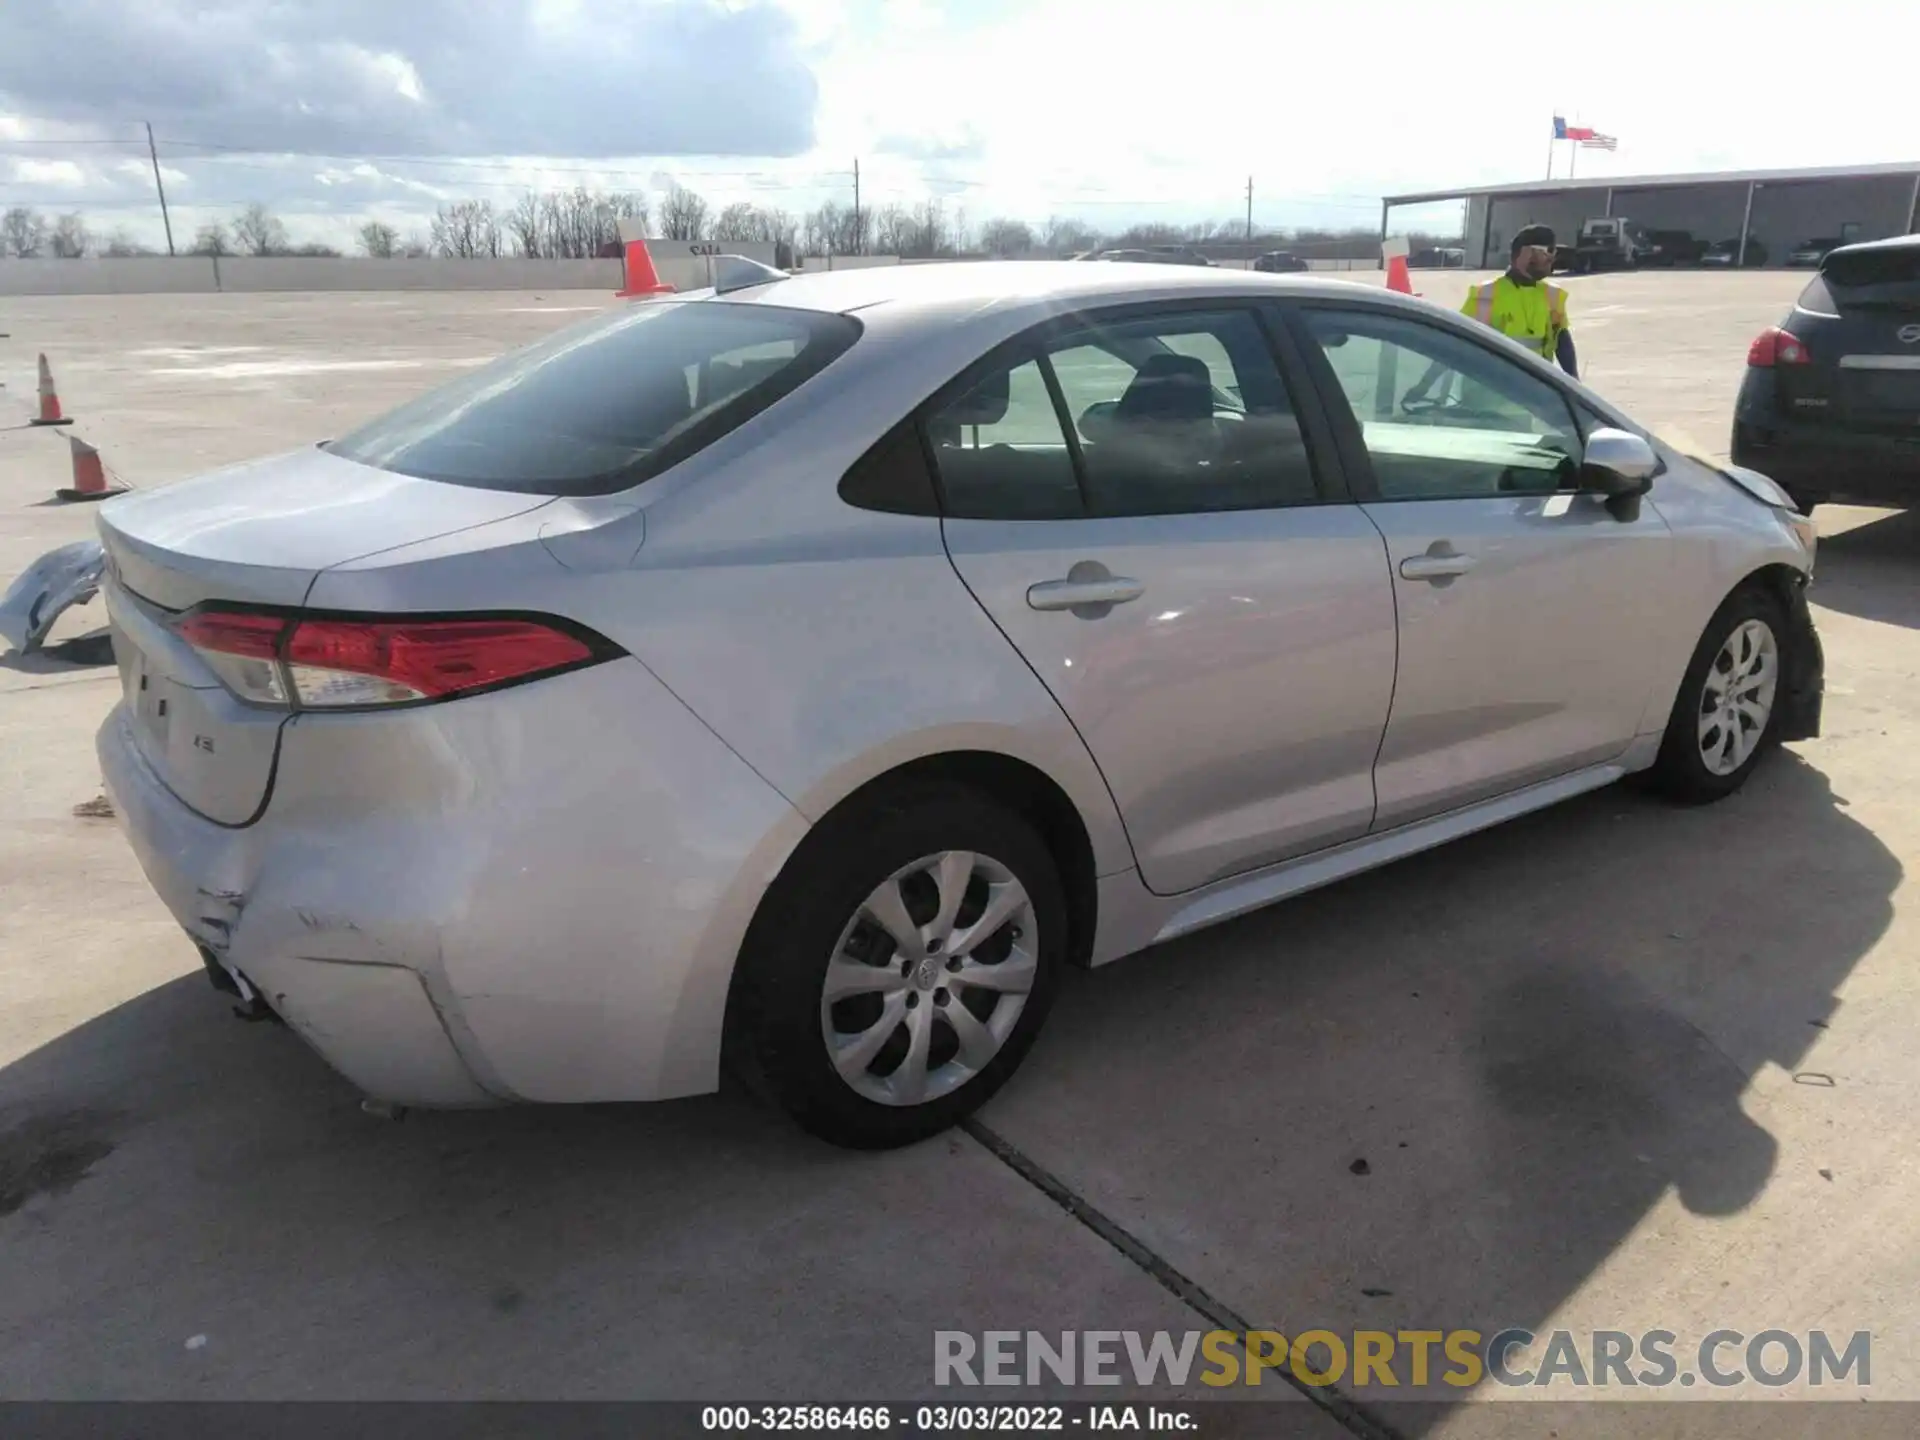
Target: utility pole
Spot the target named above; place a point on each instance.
(154, 155)
(859, 235)
(1249, 217)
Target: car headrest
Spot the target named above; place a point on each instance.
(985, 403)
(1169, 387)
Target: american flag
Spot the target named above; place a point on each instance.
(1594, 140)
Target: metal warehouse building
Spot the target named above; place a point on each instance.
(1779, 208)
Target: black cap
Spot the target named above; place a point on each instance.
(1532, 235)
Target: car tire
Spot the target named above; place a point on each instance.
(885, 1063)
(1727, 710)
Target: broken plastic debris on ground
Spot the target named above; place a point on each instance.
(46, 589)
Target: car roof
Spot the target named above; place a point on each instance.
(1037, 285)
(1876, 247)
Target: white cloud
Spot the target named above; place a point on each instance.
(1004, 107)
(61, 173)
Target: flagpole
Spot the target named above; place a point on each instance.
(1573, 160)
(1550, 144)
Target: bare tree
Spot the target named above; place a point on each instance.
(211, 239)
(1151, 233)
(121, 245)
(1006, 237)
(683, 215)
(955, 237)
(415, 247)
(23, 232)
(466, 230)
(522, 224)
(763, 225)
(917, 234)
(258, 231)
(835, 229)
(1062, 235)
(896, 231)
(379, 240)
(739, 221)
(71, 239)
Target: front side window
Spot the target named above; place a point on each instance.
(1166, 414)
(603, 405)
(1441, 417)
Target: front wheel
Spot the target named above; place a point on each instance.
(1724, 717)
(900, 970)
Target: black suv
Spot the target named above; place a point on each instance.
(1830, 408)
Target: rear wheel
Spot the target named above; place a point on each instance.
(1723, 719)
(899, 971)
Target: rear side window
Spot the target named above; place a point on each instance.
(604, 405)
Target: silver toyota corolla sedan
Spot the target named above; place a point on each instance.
(802, 673)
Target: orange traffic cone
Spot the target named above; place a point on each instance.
(1399, 279)
(641, 277)
(49, 399)
(89, 474)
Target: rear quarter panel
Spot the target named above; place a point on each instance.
(824, 644)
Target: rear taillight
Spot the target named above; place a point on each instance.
(1775, 346)
(331, 662)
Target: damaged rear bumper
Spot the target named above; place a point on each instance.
(373, 1022)
(1803, 688)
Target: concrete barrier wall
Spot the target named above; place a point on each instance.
(201, 275)
(246, 273)
(189, 275)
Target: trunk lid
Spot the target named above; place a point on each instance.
(258, 533)
(263, 530)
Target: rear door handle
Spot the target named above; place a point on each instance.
(1073, 594)
(1432, 566)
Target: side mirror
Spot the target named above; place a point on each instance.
(1620, 466)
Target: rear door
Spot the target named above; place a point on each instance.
(1862, 340)
(1134, 498)
(1527, 611)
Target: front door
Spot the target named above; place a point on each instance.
(1133, 501)
(1527, 610)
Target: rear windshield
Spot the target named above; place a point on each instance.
(604, 405)
(1868, 279)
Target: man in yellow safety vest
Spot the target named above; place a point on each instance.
(1523, 306)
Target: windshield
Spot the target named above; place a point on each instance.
(604, 405)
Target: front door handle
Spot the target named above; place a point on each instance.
(1089, 590)
(1441, 563)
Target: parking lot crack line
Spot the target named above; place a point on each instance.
(1355, 1418)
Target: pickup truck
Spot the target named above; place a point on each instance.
(1609, 243)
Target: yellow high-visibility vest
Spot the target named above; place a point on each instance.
(1534, 315)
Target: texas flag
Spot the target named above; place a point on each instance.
(1564, 131)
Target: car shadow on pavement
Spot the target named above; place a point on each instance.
(1529, 1038)
(1443, 1094)
(1872, 570)
(192, 1207)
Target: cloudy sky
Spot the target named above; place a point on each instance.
(334, 110)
